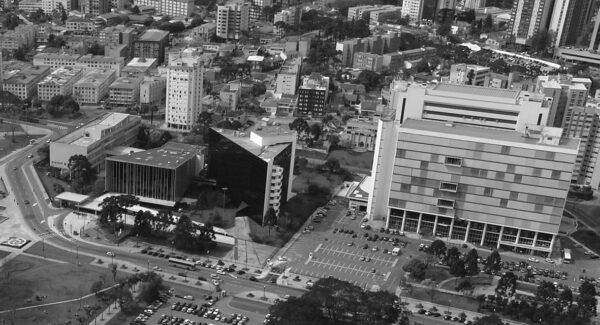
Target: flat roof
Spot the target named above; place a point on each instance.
(362, 190)
(475, 132)
(121, 150)
(171, 155)
(27, 75)
(94, 78)
(141, 62)
(478, 91)
(154, 35)
(242, 139)
(61, 76)
(126, 83)
(77, 136)
(72, 197)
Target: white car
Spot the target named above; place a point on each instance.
(282, 258)
(111, 254)
(533, 259)
(221, 272)
(214, 276)
(549, 260)
(215, 282)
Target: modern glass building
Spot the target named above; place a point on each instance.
(256, 167)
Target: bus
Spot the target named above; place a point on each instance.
(178, 262)
(567, 256)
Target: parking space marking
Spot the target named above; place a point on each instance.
(386, 276)
(318, 247)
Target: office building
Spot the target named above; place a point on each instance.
(21, 36)
(230, 96)
(583, 123)
(153, 90)
(474, 4)
(564, 92)
(368, 61)
(528, 17)
(468, 74)
(151, 44)
(59, 82)
(413, 9)
(157, 176)
(23, 84)
(75, 23)
(94, 139)
(91, 62)
(55, 60)
(569, 18)
(288, 76)
(50, 5)
(139, 67)
(184, 93)
(495, 108)
(501, 189)
(256, 167)
(93, 86)
(232, 19)
(313, 94)
(94, 7)
(204, 32)
(125, 91)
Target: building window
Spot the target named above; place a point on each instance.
(488, 191)
(500, 176)
(555, 174)
(405, 188)
(518, 178)
(505, 150)
(514, 195)
(449, 187)
(503, 203)
(444, 203)
(453, 161)
(510, 168)
(400, 153)
(424, 164)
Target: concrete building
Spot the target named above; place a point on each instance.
(474, 4)
(157, 176)
(489, 107)
(21, 36)
(356, 13)
(153, 90)
(125, 91)
(368, 61)
(569, 18)
(204, 32)
(171, 8)
(151, 44)
(139, 67)
(565, 92)
(396, 61)
(23, 84)
(50, 5)
(90, 62)
(360, 133)
(184, 93)
(288, 76)
(290, 16)
(55, 60)
(117, 35)
(583, 123)
(256, 167)
(94, 7)
(495, 188)
(59, 82)
(75, 23)
(30, 5)
(529, 17)
(313, 94)
(93, 86)
(380, 15)
(232, 19)
(468, 74)
(230, 96)
(413, 9)
(94, 139)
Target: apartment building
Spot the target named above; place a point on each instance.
(153, 90)
(158, 176)
(474, 4)
(380, 15)
(565, 92)
(256, 167)
(93, 86)
(230, 96)
(529, 17)
(59, 82)
(495, 188)
(124, 91)
(233, 18)
(204, 32)
(21, 36)
(151, 44)
(50, 5)
(583, 123)
(23, 84)
(117, 35)
(360, 133)
(468, 74)
(94, 139)
(290, 16)
(184, 93)
(288, 76)
(368, 61)
(95, 7)
(171, 8)
(75, 23)
(413, 9)
(569, 17)
(313, 94)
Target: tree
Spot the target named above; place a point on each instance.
(11, 21)
(151, 287)
(444, 29)
(135, 10)
(300, 125)
(96, 49)
(471, 265)
(270, 219)
(542, 40)
(492, 319)
(470, 76)
(546, 292)
(507, 285)
(258, 89)
(333, 165)
(437, 248)
(499, 66)
(370, 79)
(452, 256)
(587, 299)
(493, 263)
(113, 270)
(416, 267)
(458, 268)
(112, 209)
(70, 105)
(142, 225)
(299, 311)
(55, 41)
(315, 130)
(183, 236)
(488, 23)
(81, 172)
(565, 297)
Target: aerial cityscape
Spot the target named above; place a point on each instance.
(293, 162)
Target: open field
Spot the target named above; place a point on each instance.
(351, 158)
(27, 281)
(311, 176)
(42, 249)
(7, 146)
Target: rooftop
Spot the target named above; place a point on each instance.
(263, 152)
(126, 83)
(154, 35)
(61, 76)
(171, 155)
(478, 91)
(27, 75)
(478, 132)
(142, 62)
(94, 78)
(89, 134)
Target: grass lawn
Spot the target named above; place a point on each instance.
(437, 274)
(311, 154)
(8, 127)
(24, 278)
(351, 158)
(588, 238)
(443, 298)
(7, 146)
(3, 254)
(41, 249)
(311, 176)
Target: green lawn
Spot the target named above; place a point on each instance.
(42, 249)
(351, 158)
(311, 176)
(589, 239)
(24, 278)
(7, 145)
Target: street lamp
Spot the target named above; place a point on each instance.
(224, 193)
(264, 292)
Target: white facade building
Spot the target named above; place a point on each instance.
(184, 93)
(232, 19)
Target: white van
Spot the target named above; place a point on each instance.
(396, 251)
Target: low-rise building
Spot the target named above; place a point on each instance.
(153, 90)
(94, 139)
(75, 23)
(139, 67)
(395, 61)
(230, 96)
(59, 82)
(55, 60)
(360, 133)
(125, 91)
(93, 86)
(204, 32)
(21, 36)
(24, 83)
(151, 44)
(468, 74)
(288, 76)
(368, 61)
(91, 62)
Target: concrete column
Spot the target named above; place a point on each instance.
(450, 228)
(500, 236)
(483, 233)
(387, 220)
(467, 231)
(435, 225)
(419, 224)
(534, 239)
(551, 245)
(403, 221)
(518, 236)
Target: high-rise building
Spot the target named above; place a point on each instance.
(528, 17)
(413, 9)
(151, 44)
(594, 39)
(232, 19)
(584, 123)
(569, 17)
(289, 76)
(313, 94)
(494, 188)
(290, 16)
(564, 92)
(184, 93)
(95, 7)
(474, 4)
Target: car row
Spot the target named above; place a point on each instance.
(205, 311)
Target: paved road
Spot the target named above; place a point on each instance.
(249, 305)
